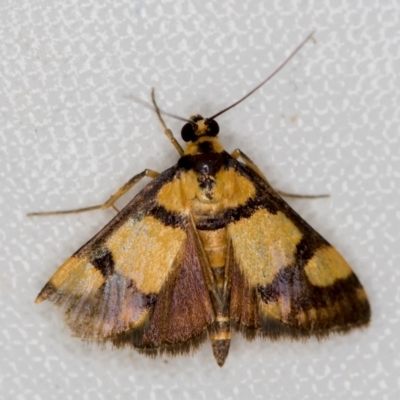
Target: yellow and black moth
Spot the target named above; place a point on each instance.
(208, 247)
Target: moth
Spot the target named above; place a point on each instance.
(206, 248)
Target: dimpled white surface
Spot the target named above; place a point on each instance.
(69, 137)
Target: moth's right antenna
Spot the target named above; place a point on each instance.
(167, 131)
(294, 52)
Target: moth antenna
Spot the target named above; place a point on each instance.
(294, 52)
(155, 108)
(167, 131)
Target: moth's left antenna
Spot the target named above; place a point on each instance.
(154, 108)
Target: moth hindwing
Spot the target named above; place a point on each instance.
(206, 248)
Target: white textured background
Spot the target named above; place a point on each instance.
(69, 138)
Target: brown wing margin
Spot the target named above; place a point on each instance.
(292, 307)
(182, 311)
(305, 288)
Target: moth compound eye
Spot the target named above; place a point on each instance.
(188, 133)
(213, 128)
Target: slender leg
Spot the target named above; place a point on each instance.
(167, 131)
(301, 196)
(247, 160)
(110, 202)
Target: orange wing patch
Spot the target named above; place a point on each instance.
(76, 276)
(326, 266)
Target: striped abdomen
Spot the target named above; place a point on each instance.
(215, 246)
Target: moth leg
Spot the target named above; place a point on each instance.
(168, 133)
(247, 160)
(110, 202)
(301, 196)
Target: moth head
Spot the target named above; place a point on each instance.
(199, 127)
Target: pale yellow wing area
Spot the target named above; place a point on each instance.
(145, 251)
(264, 244)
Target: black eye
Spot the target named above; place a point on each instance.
(188, 134)
(213, 128)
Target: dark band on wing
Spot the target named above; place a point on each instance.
(337, 307)
(264, 199)
(314, 310)
(292, 284)
(104, 262)
(169, 218)
(259, 201)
